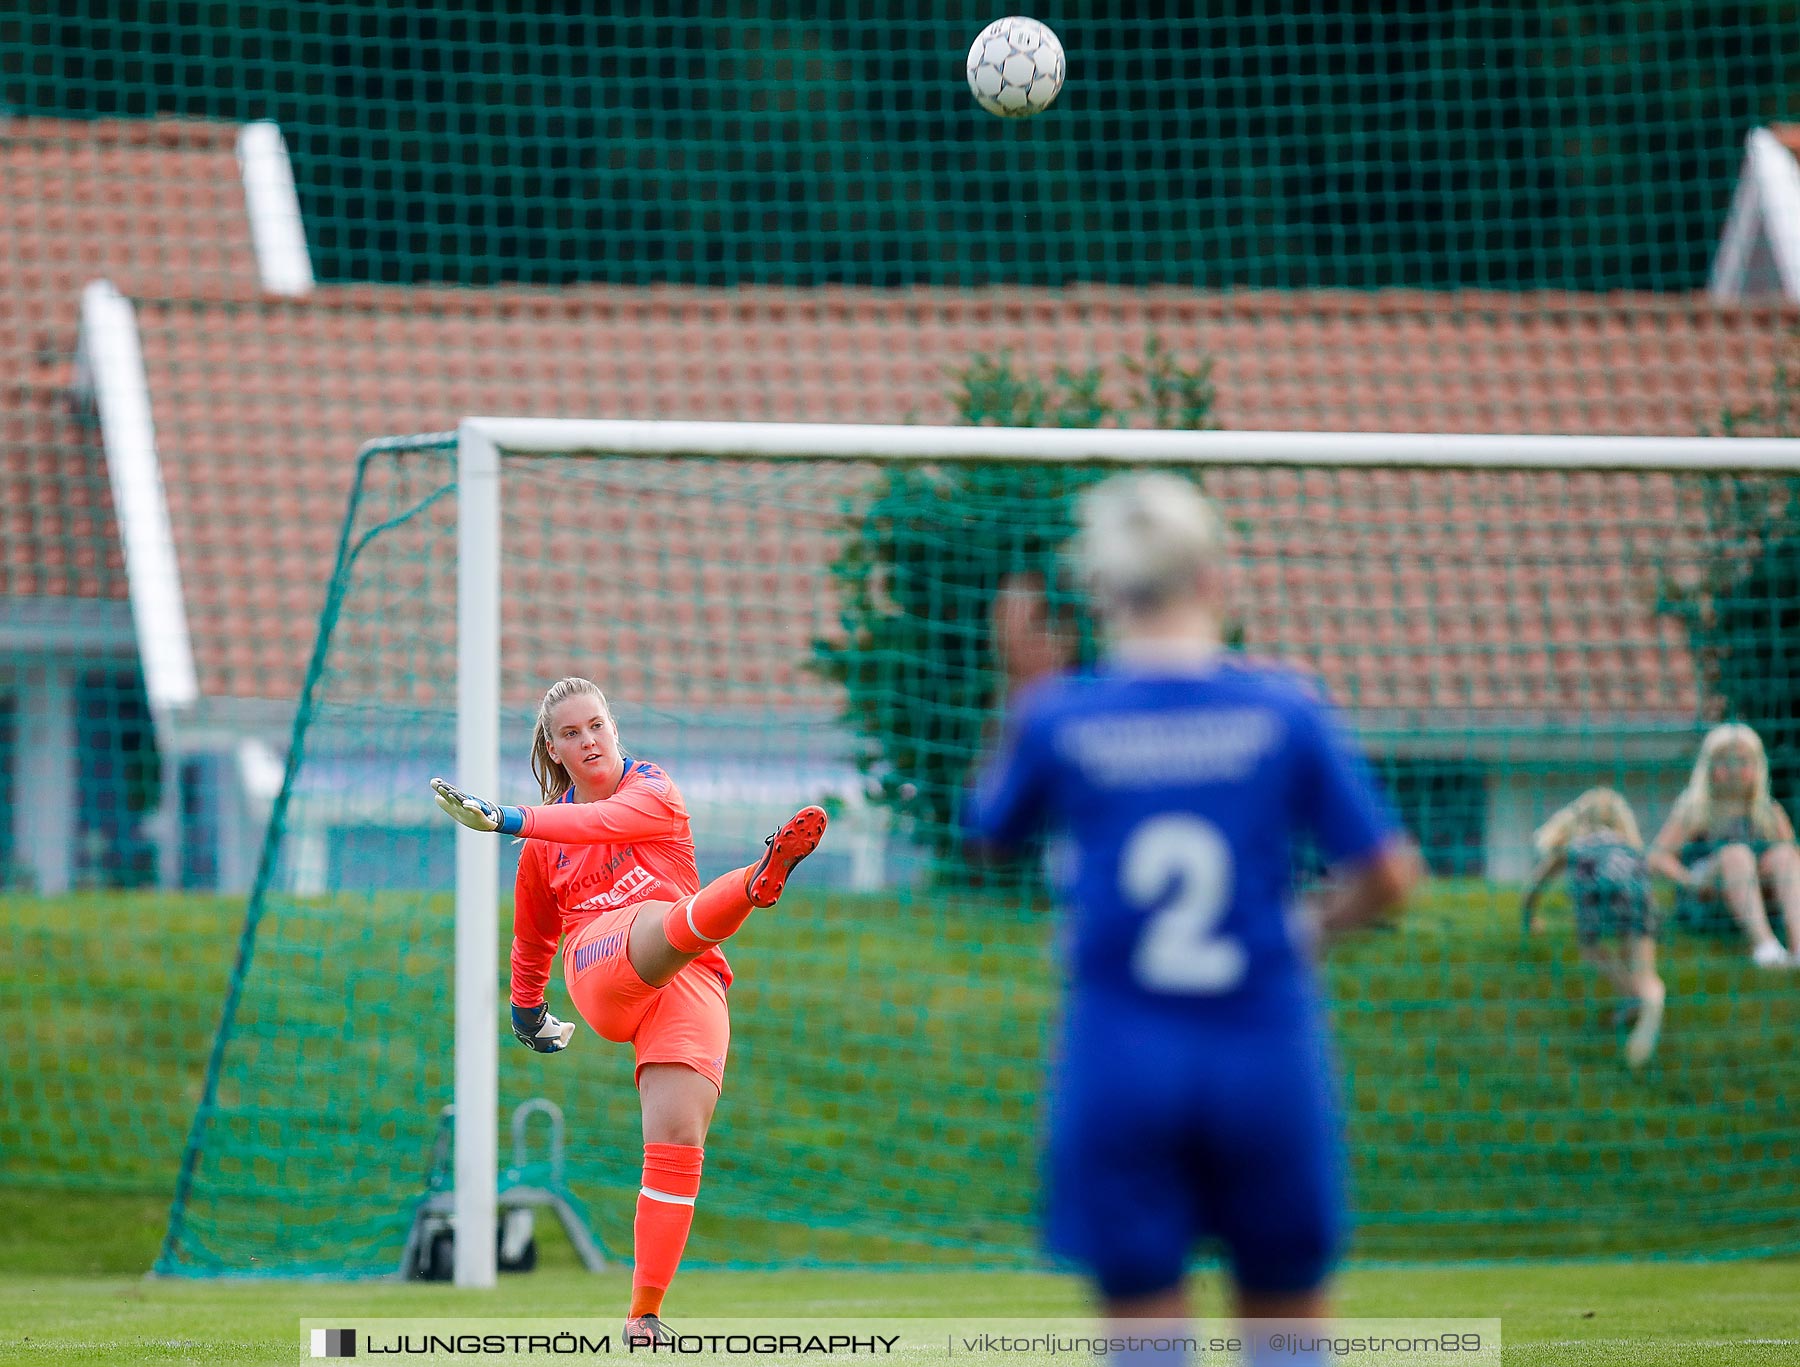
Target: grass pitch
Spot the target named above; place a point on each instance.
(67, 1296)
(1483, 1076)
(882, 1099)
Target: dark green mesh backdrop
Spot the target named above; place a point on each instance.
(882, 1100)
(1278, 145)
(1446, 217)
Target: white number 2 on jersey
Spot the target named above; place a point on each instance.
(1183, 864)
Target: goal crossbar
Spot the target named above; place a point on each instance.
(868, 441)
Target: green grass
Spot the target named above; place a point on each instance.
(881, 1108)
(68, 1293)
(881, 1104)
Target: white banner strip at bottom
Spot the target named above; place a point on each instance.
(1014, 1342)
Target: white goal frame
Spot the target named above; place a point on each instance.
(481, 442)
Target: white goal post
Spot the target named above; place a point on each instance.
(482, 442)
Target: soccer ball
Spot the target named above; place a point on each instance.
(1016, 67)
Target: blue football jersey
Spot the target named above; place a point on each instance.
(1176, 799)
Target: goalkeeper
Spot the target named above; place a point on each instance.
(608, 869)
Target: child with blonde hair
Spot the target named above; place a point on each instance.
(1595, 842)
(1728, 840)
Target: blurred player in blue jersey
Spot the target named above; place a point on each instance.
(1192, 1096)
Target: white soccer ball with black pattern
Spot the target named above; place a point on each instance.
(1016, 67)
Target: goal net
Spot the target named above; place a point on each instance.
(786, 614)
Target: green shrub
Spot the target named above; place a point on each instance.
(1743, 620)
(922, 561)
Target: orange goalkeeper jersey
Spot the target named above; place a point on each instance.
(583, 859)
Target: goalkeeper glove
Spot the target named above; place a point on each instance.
(538, 1029)
(477, 813)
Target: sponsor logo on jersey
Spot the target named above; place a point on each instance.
(1191, 745)
(634, 886)
(601, 874)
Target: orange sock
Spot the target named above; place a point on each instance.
(714, 913)
(665, 1213)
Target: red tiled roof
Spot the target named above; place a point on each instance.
(1393, 361)
(260, 404)
(156, 207)
(1513, 593)
(57, 534)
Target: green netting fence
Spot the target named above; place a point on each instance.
(1568, 145)
(1417, 219)
(890, 1016)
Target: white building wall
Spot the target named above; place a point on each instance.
(46, 814)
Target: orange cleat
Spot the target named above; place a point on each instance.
(798, 837)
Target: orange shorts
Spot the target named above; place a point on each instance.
(683, 1021)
